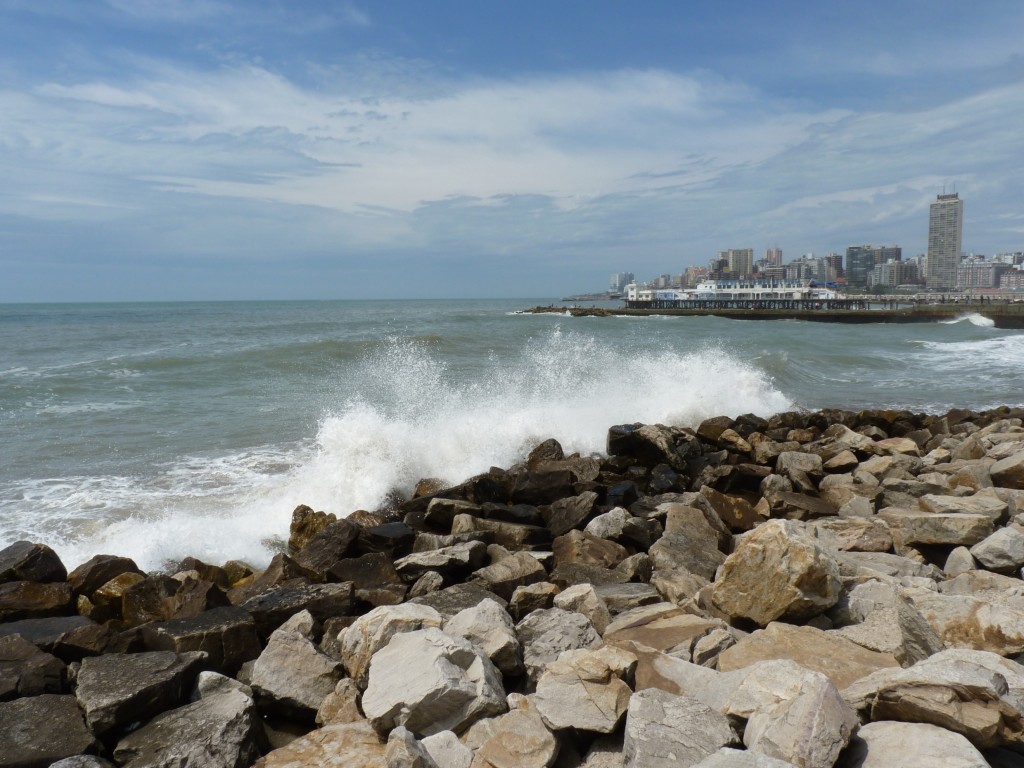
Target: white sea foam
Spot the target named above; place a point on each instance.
(403, 415)
(974, 319)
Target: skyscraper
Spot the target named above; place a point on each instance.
(945, 231)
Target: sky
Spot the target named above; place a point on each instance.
(291, 149)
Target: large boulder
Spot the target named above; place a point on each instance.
(985, 622)
(25, 561)
(489, 627)
(429, 682)
(34, 600)
(668, 731)
(39, 730)
(585, 690)
(1009, 472)
(1002, 551)
(546, 634)
(654, 444)
(274, 607)
(505, 575)
(227, 635)
(662, 627)
(98, 570)
(914, 526)
(371, 632)
(777, 571)
(518, 738)
(347, 745)
(27, 671)
(910, 745)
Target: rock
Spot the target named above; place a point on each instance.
(546, 634)
(292, 675)
(518, 738)
(542, 487)
(990, 506)
(227, 635)
(371, 632)
(489, 627)
(841, 660)
(447, 751)
(349, 745)
(272, 608)
(25, 561)
(220, 730)
(82, 761)
(677, 585)
(697, 555)
(513, 536)
(960, 561)
(577, 547)
(34, 600)
(872, 565)
(39, 730)
(974, 693)
(810, 729)
(604, 752)
(910, 745)
(662, 627)
(505, 575)
(854, 533)
(548, 450)
(532, 597)
(1002, 551)
(978, 623)
(583, 599)
(1009, 472)
(393, 539)
(727, 757)
(734, 511)
(341, 705)
(585, 690)
(403, 751)
(567, 574)
(115, 690)
(454, 561)
(427, 584)
(98, 570)
(909, 527)
(305, 524)
(428, 682)
(624, 597)
(373, 578)
(611, 525)
(563, 515)
(455, 598)
(441, 512)
(151, 598)
(281, 569)
(667, 730)
(777, 571)
(708, 648)
(27, 671)
(653, 444)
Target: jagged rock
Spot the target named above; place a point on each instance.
(505, 575)
(577, 547)
(82, 761)
(653, 444)
(585, 690)
(696, 554)
(373, 578)
(1009, 472)
(542, 487)
(404, 751)
(447, 751)
(27, 671)
(115, 690)
(567, 574)
(801, 469)
(292, 675)
(341, 705)
(735, 512)
(227, 635)
(371, 632)
(854, 533)
(911, 526)
(546, 634)
(349, 745)
(708, 648)
(1002, 551)
(974, 693)
(662, 626)
(583, 598)
(272, 608)
(393, 539)
(513, 536)
(39, 730)
(454, 560)
(532, 597)
(26, 561)
(518, 738)
(455, 598)
(34, 600)
(429, 682)
(281, 569)
(667, 730)
(98, 570)
(489, 627)
(991, 507)
(910, 745)
(305, 524)
(427, 584)
(841, 660)
(810, 729)
(990, 623)
(441, 512)
(621, 597)
(563, 515)
(872, 565)
(677, 585)
(777, 571)
(219, 730)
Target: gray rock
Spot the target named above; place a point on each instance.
(585, 690)
(990, 506)
(532, 597)
(664, 730)
(625, 597)
(220, 730)
(583, 598)
(503, 576)
(115, 690)
(25, 561)
(727, 757)
(911, 526)
(39, 730)
(455, 598)
(227, 635)
(430, 682)
(546, 634)
(910, 745)
(1009, 472)
(1002, 551)
(489, 627)
(457, 558)
(341, 705)
(983, 623)
(274, 607)
(404, 751)
(565, 514)
(27, 671)
(372, 631)
(82, 761)
(292, 675)
(447, 751)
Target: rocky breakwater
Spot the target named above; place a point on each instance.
(815, 589)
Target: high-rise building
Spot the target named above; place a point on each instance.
(741, 261)
(619, 281)
(860, 260)
(945, 231)
(773, 256)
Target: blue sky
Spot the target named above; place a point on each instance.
(220, 149)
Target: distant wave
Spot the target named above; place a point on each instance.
(974, 319)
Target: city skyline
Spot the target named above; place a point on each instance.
(210, 149)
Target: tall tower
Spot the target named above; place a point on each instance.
(945, 231)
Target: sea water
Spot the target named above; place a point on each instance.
(163, 430)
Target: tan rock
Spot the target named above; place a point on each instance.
(585, 690)
(374, 630)
(911, 526)
(350, 745)
(887, 744)
(841, 660)
(516, 739)
(1009, 472)
(989, 505)
(661, 627)
(990, 623)
(854, 533)
(777, 571)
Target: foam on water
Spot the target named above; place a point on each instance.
(403, 414)
(974, 319)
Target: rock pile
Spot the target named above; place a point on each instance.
(814, 590)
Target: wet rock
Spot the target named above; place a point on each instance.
(393, 539)
(40, 730)
(585, 690)
(563, 515)
(428, 682)
(910, 745)
(271, 609)
(150, 599)
(34, 600)
(653, 444)
(777, 571)
(546, 634)
(334, 542)
(305, 524)
(667, 730)
(543, 487)
(115, 690)
(453, 561)
(489, 627)
(373, 631)
(25, 561)
(98, 570)
(349, 745)
(373, 578)
(27, 671)
(67, 637)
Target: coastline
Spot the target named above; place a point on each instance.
(855, 551)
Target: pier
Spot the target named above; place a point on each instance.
(852, 311)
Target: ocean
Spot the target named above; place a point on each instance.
(163, 430)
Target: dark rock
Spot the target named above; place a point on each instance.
(237, 570)
(25, 561)
(533, 597)
(622, 494)
(227, 635)
(523, 514)
(334, 542)
(735, 511)
(577, 547)
(365, 519)
(197, 595)
(565, 514)
(32, 600)
(569, 574)
(115, 690)
(452, 562)
(45, 633)
(27, 671)
(711, 429)
(97, 571)
(151, 599)
(798, 506)
(539, 488)
(664, 479)
(441, 512)
(451, 600)
(306, 523)
(373, 577)
(271, 609)
(37, 731)
(549, 450)
(509, 535)
(747, 423)
(108, 600)
(207, 572)
(653, 444)
(393, 539)
(637, 567)
(281, 569)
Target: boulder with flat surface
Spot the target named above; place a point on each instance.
(910, 745)
(546, 634)
(504, 576)
(668, 731)
(347, 745)
(374, 630)
(37, 731)
(1009, 472)
(489, 627)
(585, 689)
(27, 561)
(27, 671)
